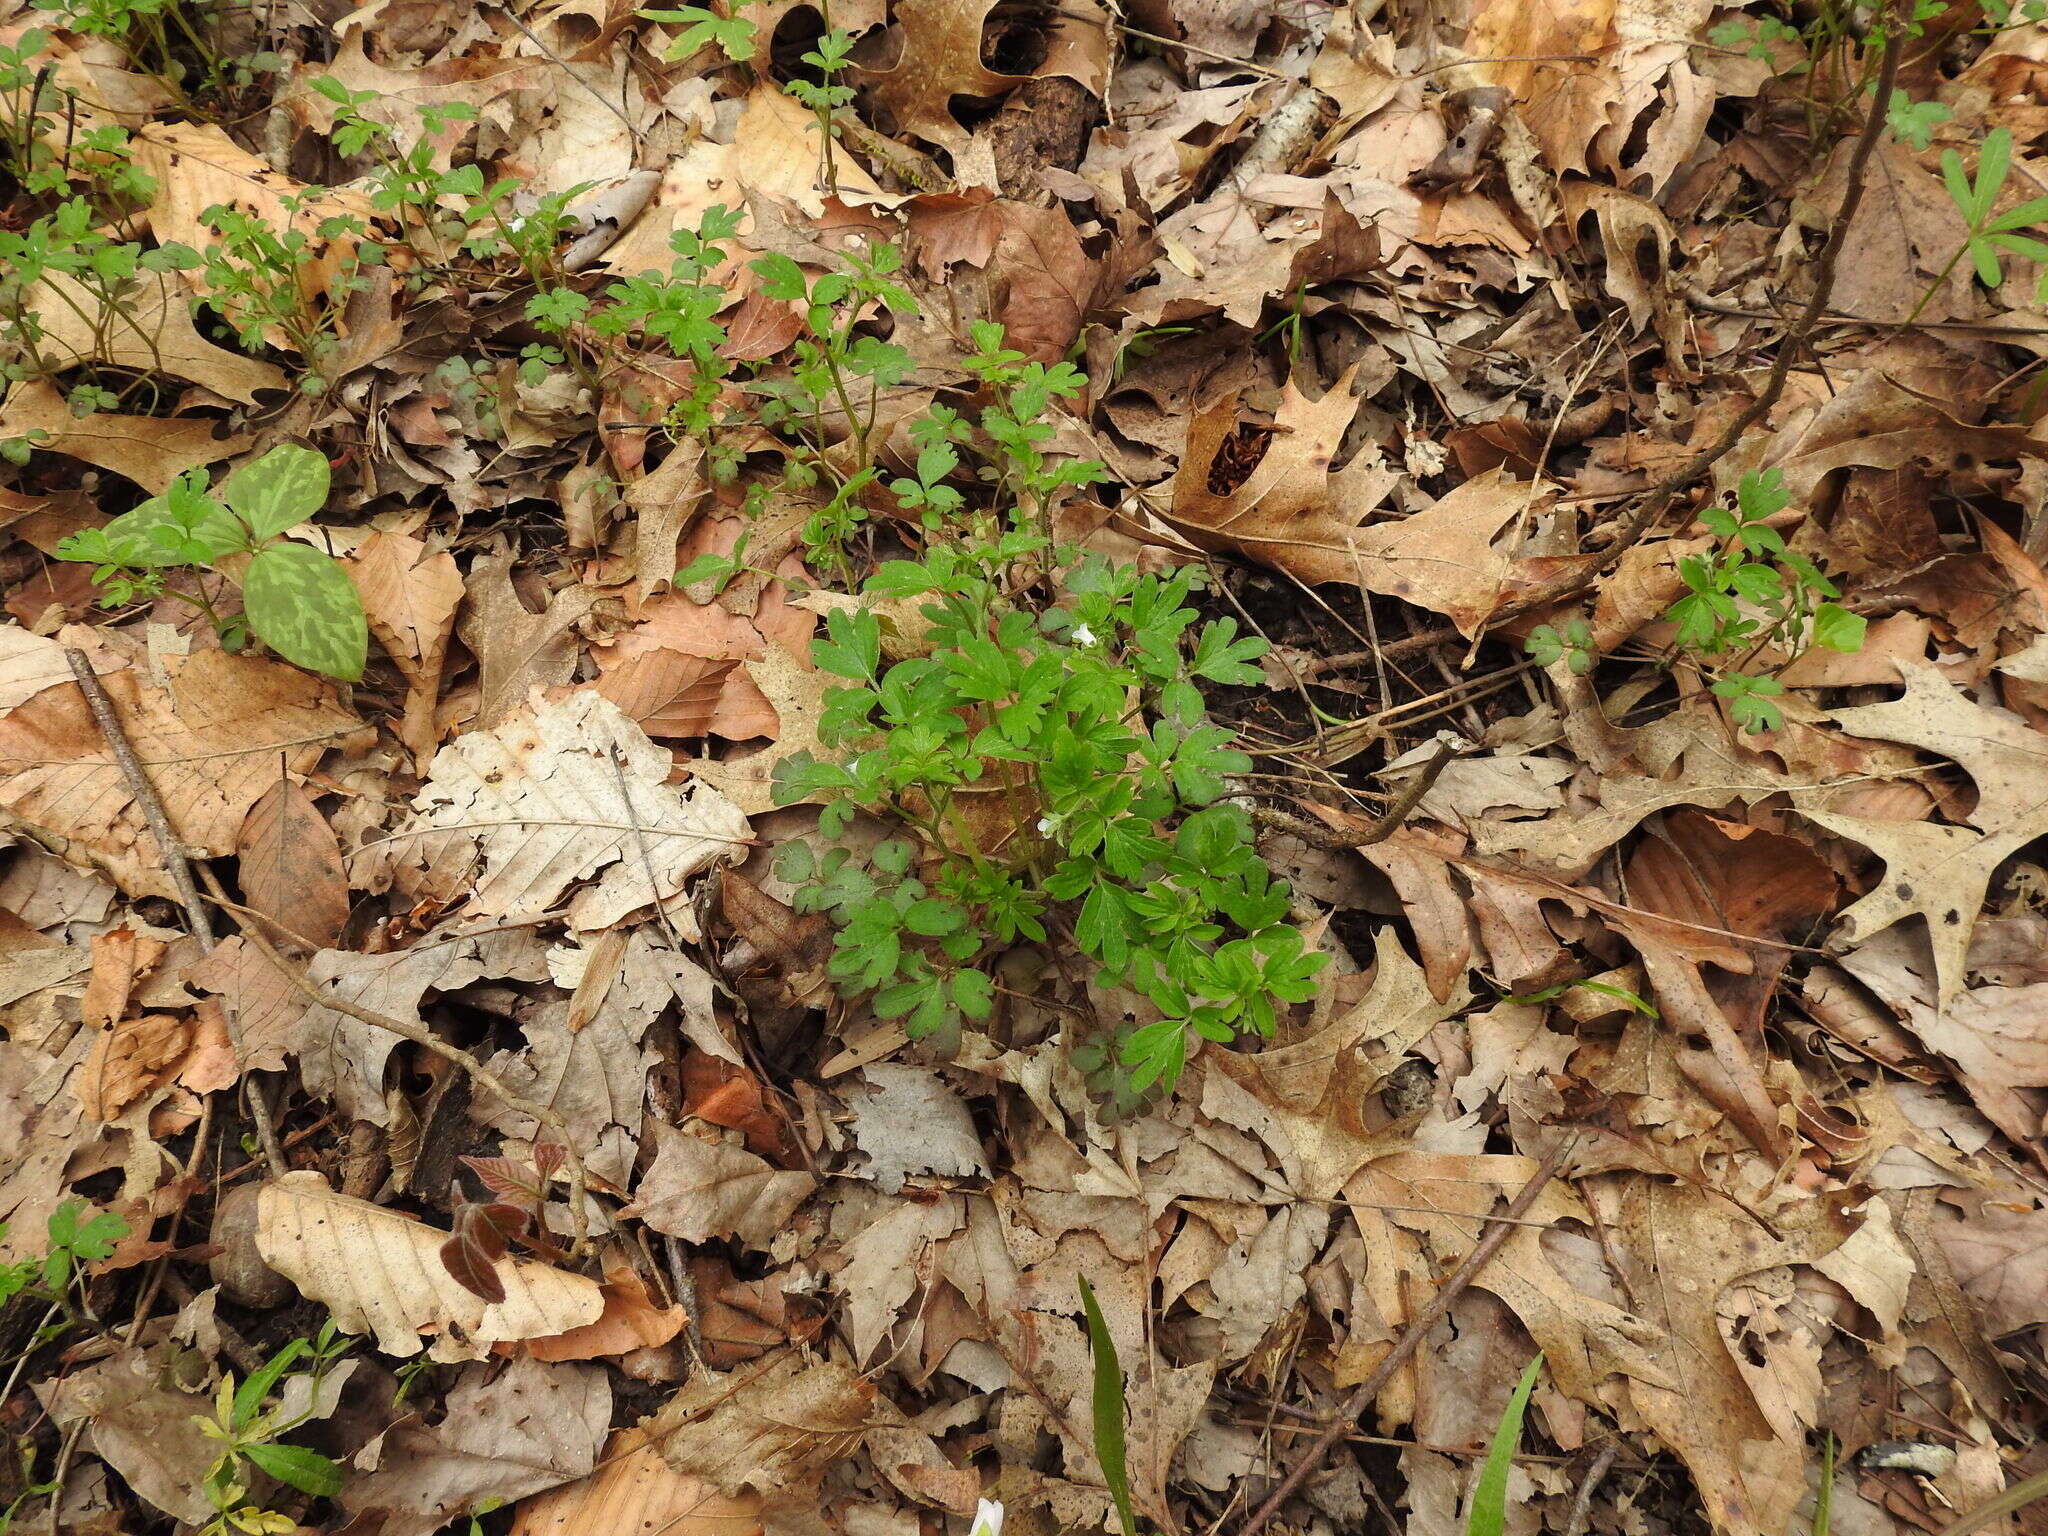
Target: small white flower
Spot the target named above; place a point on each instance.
(1083, 635)
(988, 1518)
(1047, 826)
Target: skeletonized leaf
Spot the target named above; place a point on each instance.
(517, 815)
(305, 608)
(381, 1273)
(291, 864)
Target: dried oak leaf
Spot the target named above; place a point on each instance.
(197, 166)
(1290, 512)
(940, 59)
(772, 1428)
(380, 1272)
(558, 794)
(516, 650)
(150, 450)
(151, 332)
(1936, 870)
(213, 740)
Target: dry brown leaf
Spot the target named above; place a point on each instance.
(1940, 871)
(773, 1428)
(631, 1320)
(289, 865)
(213, 742)
(697, 1190)
(252, 991)
(1556, 62)
(380, 1272)
(505, 1435)
(517, 650)
(130, 1060)
(558, 794)
(796, 692)
(150, 450)
(410, 594)
(1290, 512)
(151, 332)
(940, 59)
(141, 1424)
(634, 1489)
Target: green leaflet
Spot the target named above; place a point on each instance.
(1107, 1406)
(304, 607)
(1489, 1500)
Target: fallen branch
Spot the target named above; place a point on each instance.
(177, 865)
(1410, 1340)
(419, 1034)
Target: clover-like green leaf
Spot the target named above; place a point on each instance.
(301, 603)
(286, 486)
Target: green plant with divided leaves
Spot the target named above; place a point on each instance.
(1750, 592)
(296, 599)
(1049, 750)
(249, 1429)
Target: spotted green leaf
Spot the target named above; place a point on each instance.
(302, 604)
(286, 486)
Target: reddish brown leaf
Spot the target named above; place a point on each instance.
(291, 868)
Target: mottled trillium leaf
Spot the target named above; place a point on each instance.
(286, 486)
(305, 608)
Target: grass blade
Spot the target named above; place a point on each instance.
(1824, 1496)
(1108, 1407)
(1490, 1499)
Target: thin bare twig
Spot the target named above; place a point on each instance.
(177, 865)
(1410, 1340)
(151, 804)
(1379, 829)
(419, 1034)
(1667, 490)
(1582, 1501)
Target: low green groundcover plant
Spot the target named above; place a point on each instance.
(296, 599)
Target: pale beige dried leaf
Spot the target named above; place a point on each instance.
(150, 450)
(697, 1190)
(378, 1272)
(907, 1120)
(213, 743)
(518, 815)
(506, 1434)
(773, 1427)
(1936, 870)
(634, 1489)
(344, 1058)
(29, 664)
(150, 331)
(663, 504)
(289, 865)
